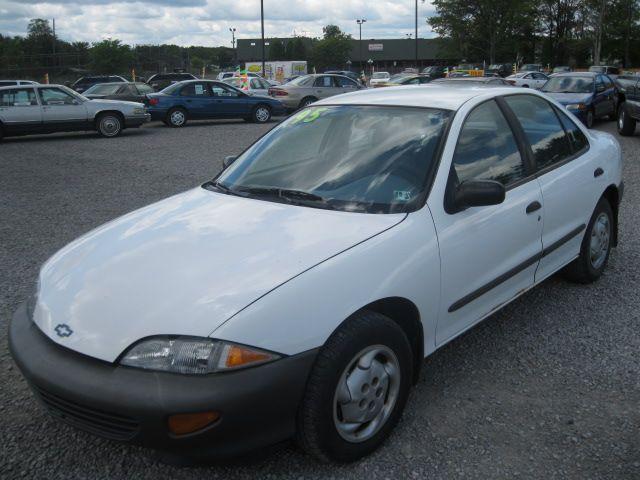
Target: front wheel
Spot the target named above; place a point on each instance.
(305, 102)
(357, 389)
(590, 118)
(261, 114)
(595, 248)
(109, 125)
(626, 124)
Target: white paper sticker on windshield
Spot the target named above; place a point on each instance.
(402, 195)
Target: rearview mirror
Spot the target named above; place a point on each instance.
(228, 161)
(479, 193)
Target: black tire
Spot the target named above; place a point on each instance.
(261, 114)
(582, 269)
(109, 124)
(1, 132)
(317, 430)
(177, 117)
(525, 86)
(590, 119)
(306, 101)
(626, 124)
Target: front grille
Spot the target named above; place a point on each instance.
(98, 422)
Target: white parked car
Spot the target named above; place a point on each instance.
(528, 79)
(252, 85)
(299, 292)
(34, 109)
(379, 78)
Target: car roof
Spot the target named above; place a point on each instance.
(577, 74)
(430, 95)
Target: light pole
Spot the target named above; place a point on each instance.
(417, 34)
(262, 27)
(233, 44)
(360, 21)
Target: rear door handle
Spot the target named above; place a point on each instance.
(533, 206)
(598, 172)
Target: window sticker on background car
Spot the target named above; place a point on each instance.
(199, 89)
(308, 116)
(402, 195)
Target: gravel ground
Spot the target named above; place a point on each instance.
(547, 388)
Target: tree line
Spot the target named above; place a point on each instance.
(554, 32)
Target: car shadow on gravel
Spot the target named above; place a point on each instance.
(72, 136)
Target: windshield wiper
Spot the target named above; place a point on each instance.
(291, 195)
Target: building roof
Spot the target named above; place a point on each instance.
(426, 96)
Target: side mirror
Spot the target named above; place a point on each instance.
(228, 161)
(479, 193)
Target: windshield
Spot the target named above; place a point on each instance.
(380, 75)
(235, 81)
(530, 67)
(569, 85)
(103, 89)
(372, 159)
(399, 77)
(302, 81)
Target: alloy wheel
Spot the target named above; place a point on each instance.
(599, 245)
(110, 126)
(262, 114)
(177, 118)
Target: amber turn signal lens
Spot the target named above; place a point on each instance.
(238, 356)
(184, 423)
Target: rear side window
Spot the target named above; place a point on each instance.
(324, 82)
(487, 149)
(345, 82)
(577, 139)
(194, 90)
(19, 97)
(542, 128)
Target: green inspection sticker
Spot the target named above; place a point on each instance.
(402, 195)
(309, 115)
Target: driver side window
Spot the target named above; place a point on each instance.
(487, 148)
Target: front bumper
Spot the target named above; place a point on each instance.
(257, 405)
(137, 120)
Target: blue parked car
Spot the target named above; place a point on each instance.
(203, 99)
(588, 95)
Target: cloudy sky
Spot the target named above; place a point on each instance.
(207, 22)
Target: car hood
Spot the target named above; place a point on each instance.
(567, 98)
(183, 266)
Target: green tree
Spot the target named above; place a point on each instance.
(296, 49)
(333, 50)
(39, 28)
(110, 56)
(276, 50)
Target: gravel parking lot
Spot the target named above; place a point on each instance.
(547, 388)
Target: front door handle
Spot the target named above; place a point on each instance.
(598, 172)
(533, 206)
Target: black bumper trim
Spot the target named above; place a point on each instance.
(258, 405)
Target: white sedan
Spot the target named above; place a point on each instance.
(379, 78)
(298, 293)
(528, 79)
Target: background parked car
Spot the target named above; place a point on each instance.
(203, 99)
(587, 95)
(9, 83)
(531, 67)
(305, 90)
(405, 79)
(160, 81)
(473, 82)
(528, 79)
(346, 73)
(253, 86)
(561, 69)
(84, 83)
(435, 71)
(379, 78)
(606, 69)
(32, 109)
(130, 91)
(501, 69)
(224, 75)
(628, 103)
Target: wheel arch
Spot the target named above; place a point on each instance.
(98, 114)
(406, 314)
(612, 195)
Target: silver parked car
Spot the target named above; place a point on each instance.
(305, 90)
(252, 85)
(36, 109)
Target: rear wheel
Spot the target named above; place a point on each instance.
(595, 247)
(109, 125)
(357, 389)
(261, 114)
(590, 118)
(176, 117)
(626, 124)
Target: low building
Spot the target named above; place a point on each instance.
(389, 54)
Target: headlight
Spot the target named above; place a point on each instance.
(139, 110)
(193, 355)
(576, 106)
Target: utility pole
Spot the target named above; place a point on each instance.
(262, 26)
(233, 45)
(417, 35)
(360, 21)
(54, 42)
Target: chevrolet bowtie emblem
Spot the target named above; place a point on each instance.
(63, 330)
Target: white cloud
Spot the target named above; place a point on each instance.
(207, 22)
